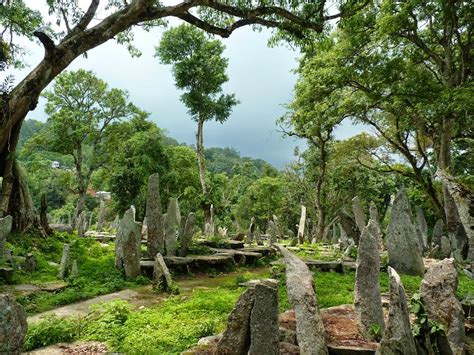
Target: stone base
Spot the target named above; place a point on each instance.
(192, 264)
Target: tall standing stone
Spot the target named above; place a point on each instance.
(271, 231)
(154, 218)
(421, 227)
(186, 237)
(5, 230)
(64, 262)
(359, 214)
(171, 223)
(302, 296)
(128, 245)
(438, 292)
(81, 224)
(74, 269)
(13, 325)
(397, 338)
(349, 226)
(438, 232)
(161, 275)
(257, 235)
(445, 250)
(264, 329)
(277, 226)
(99, 226)
(404, 252)
(251, 231)
(367, 300)
(302, 225)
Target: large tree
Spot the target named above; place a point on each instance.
(80, 33)
(200, 70)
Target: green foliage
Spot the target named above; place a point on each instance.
(52, 330)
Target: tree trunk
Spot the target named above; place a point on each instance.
(206, 206)
(319, 191)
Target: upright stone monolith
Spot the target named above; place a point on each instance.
(438, 231)
(74, 270)
(251, 231)
(99, 226)
(302, 225)
(171, 224)
(421, 227)
(445, 250)
(438, 292)
(185, 238)
(277, 226)
(367, 300)
(13, 325)
(81, 224)
(374, 216)
(272, 233)
(154, 217)
(359, 214)
(5, 230)
(264, 330)
(64, 262)
(128, 243)
(397, 338)
(257, 235)
(349, 226)
(404, 251)
(161, 276)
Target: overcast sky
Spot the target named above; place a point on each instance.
(260, 77)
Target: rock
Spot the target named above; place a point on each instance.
(81, 224)
(172, 220)
(276, 221)
(287, 335)
(397, 337)
(349, 226)
(434, 252)
(251, 231)
(5, 230)
(186, 237)
(289, 349)
(64, 262)
(13, 325)
(210, 341)
(445, 247)
(438, 292)
(421, 228)
(128, 243)
(6, 274)
(99, 226)
(155, 235)
(359, 214)
(374, 216)
(272, 232)
(404, 252)
(264, 333)
(302, 224)
(222, 232)
(257, 236)
(236, 338)
(63, 228)
(161, 275)
(302, 296)
(31, 264)
(367, 301)
(74, 270)
(438, 232)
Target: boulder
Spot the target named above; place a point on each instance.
(13, 325)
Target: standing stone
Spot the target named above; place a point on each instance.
(293, 238)
(277, 226)
(349, 226)
(5, 230)
(116, 222)
(81, 224)
(335, 237)
(171, 223)
(186, 237)
(13, 325)
(251, 231)
(209, 227)
(264, 329)
(359, 214)
(99, 226)
(397, 338)
(438, 292)
(374, 216)
(161, 275)
(257, 236)
(130, 243)
(74, 269)
(31, 264)
(302, 296)
(64, 262)
(89, 224)
(271, 231)
(236, 338)
(367, 300)
(222, 232)
(302, 225)
(421, 227)
(154, 218)
(445, 247)
(404, 252)
(438, 232)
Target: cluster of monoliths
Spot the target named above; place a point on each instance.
(127, 245)
(5, 230)
(367, 301)
(252, 326)
(404, 250)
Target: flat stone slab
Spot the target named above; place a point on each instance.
(53, 286)
(100, 236)
(231, 244)
(265, 251)
(240, 257)
(331, 266)
(90, 347)
(189, 264)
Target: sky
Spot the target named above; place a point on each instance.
(261, 77)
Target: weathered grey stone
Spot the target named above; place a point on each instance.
(359, 214)
(209, 226)
(374, 216)
(272, 232)
(31, 264)
(236, 337)
(438, 292)
(128, 242)
(161, 275)
(222, 232)
(74, 269)
(251, 231)
(264, 333)
(367, 300)
(64, 262)
(404, 252)
(186, 237)
(349, 226)
(438, 232)
(302, 296)
(257, 236)
(397, 338)
(62, 228)
(445, 247)
(301, 225)
(421, 227)
(434, 252)
(5, 230)
(171, 223)
(461, 242)
(81, 224)
(13, 325)
(277, 226)
(155, 230)
(115, 223)
(334, 237)
(99, 226)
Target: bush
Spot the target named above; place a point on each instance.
(52, 330)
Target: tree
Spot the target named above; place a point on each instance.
(199, 69)
(81, 108)
(77, 36)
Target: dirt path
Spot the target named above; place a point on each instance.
(144, 296)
